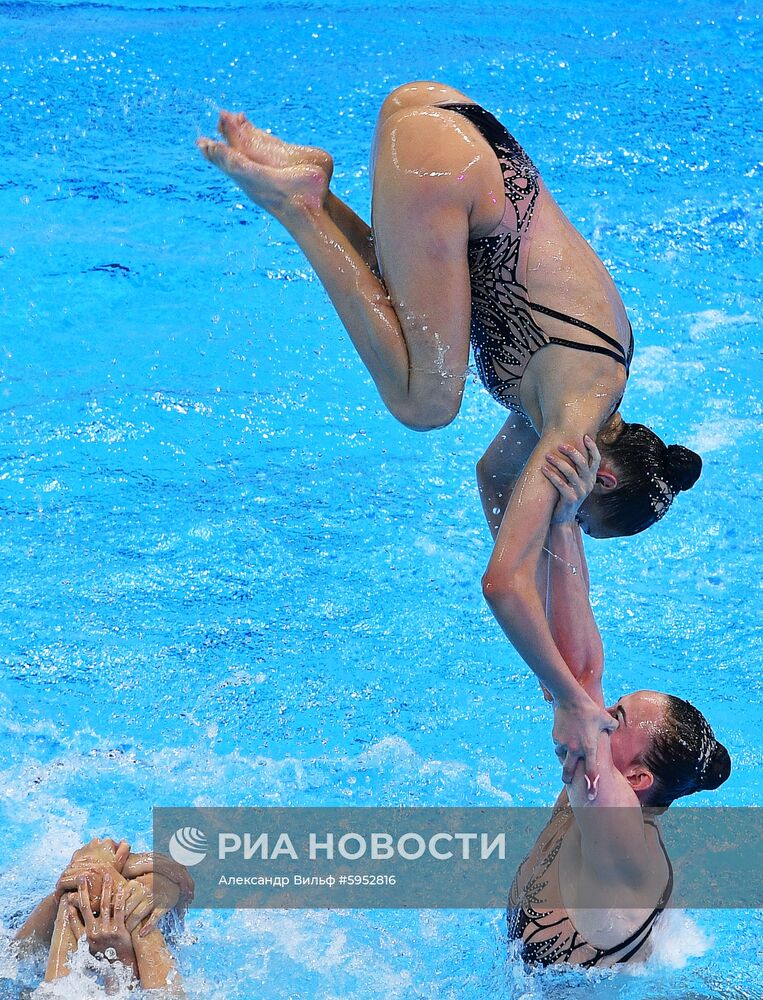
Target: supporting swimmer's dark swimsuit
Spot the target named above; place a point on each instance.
(504, 334)
(548, 939)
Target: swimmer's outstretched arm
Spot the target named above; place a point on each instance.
(501, 466)
(614, 848)
(511, 587)
(37, 929)
(498, 472)
(63, 943)
(156, 966)
(411, 330)
(569, 611)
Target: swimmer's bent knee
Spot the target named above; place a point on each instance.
(425, 419)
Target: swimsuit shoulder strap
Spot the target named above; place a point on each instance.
(669, 885)
(581, 324)
(591, 348)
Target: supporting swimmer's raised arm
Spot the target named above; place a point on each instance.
(613, 841)
(511, 589)
(156, 966)
(37, 929)
(63, 943)
(569, 612)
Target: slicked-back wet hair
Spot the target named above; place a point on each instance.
(684, 756)
(650, 474)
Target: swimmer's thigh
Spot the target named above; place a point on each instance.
(421, 93)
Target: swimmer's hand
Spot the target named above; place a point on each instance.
(573, 474)
(93, 872)
(159, 895)
(103, 925)
(577, 726)
(95, 856)
(160, 864)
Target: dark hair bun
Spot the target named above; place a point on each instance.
(682, 468)
(718, 768)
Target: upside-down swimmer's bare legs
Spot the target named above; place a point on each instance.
(415, 347)
(296, 194)
(269, 150)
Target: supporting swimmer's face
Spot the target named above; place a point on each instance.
(640, 716)
(590, 520)
(591, 514)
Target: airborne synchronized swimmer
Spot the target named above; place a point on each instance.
(468, 248)
(468, 245)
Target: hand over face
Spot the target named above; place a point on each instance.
(104, 924)
(573, 475)
(93, 873)
(98, 855)
(576, 737)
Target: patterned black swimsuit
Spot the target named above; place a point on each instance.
(548, 935)
(504, 334)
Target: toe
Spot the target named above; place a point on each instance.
(231, 161)
(224, 122)
(206, 146)
(236, 129)
(218, 153)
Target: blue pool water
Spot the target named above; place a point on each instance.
(229, 576)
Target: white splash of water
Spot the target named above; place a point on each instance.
(711, 319)
(676, 938)
(89, 978)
